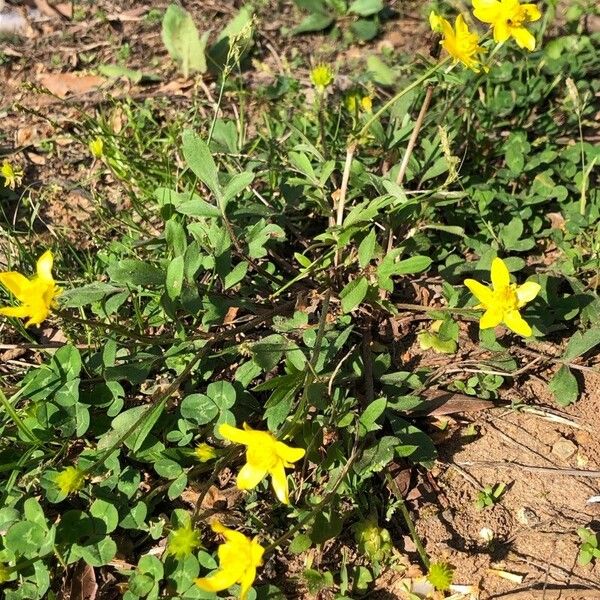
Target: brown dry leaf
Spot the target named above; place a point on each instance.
(65, 9)
(557, 221)
(47, 9)
(65, 84)
(448, 403)
(83, 583)
(231, 315)
(36, 159)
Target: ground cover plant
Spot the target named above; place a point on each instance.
(229, 379)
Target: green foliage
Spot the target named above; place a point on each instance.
(489, 495)
(182, 40)
(228, 292)
(363, 15)
(589, 549)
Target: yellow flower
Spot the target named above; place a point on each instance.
(36, 295)
(321, 77)
(239, 557)
(355, 102)
(205, 452)
(96, 148)
(508, 19)
(503, 301)
(12, 175)
(183, 541)
(462, 45)
(70, 480)
(264, 456)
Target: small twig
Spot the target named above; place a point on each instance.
(548, 593)
(534, 469)
(341, 201)
(554, 359)
(466, 476)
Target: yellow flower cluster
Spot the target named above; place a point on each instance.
(507, 18)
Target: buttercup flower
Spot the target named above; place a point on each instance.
(356, 102)
(503, 300)
(96, 148)
(462, 45)
(205, 452)
(321, 77)
(70, 480)
(508, 19)
(239, 558)
(36, 295)
(12, 175)
(264, 456)
(183, 541)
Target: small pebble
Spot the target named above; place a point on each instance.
(564, 449)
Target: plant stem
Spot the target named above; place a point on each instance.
(408, 520)
(403, 92)
(8, 407)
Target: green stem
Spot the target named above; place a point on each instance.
(17, 420)
(403, 92)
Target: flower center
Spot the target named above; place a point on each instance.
(506, 298)
(516, 17)
(263, 454)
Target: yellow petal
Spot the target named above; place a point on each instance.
(490, 318)
(513, 320)
(289, 454)
(234, 537)
(16, 284)
(487, 11)
(499, 274)
(15, 311)
(532, 11)
(221, 580)
(233, 434)
(462, 30)
(527, 292)
(38, 313)
(480, 291)
(250, 476)
(435, 21)
(280, 483)
(524, 38)
(246, 582)
(44, 266)
(501, 31)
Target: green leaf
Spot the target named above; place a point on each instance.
(365, 29)
(132, 271)
(564, 386)
(365, 8)
(581, 343)
(199, 408)
(97, 554)
(366, 249)
(199, 159)
(87, 294)
(236, 185)
(354, 293)
(313, 22)
(182, 41)
(174, 277)
(300, 544)
(368, 419)
(117, 71)
(25, 538)
(222, 393)
(106, 512)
